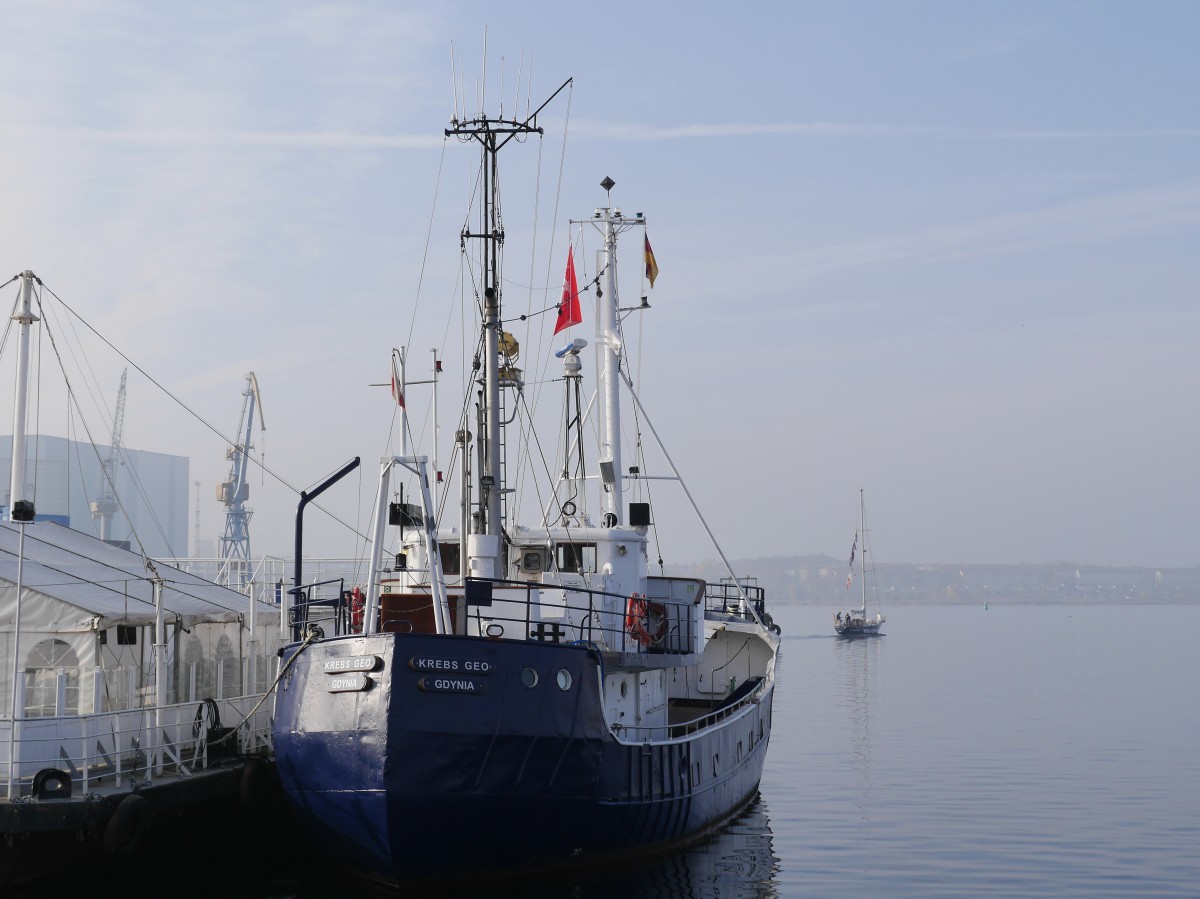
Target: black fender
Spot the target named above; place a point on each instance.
(126, 830)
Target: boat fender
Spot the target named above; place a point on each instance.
(127, 828)
(646, 621)
(253, 784)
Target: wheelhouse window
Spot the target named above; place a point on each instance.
(576, 557)
(450, 557)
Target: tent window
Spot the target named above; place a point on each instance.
(126, 635)
(197, 677)
(46, 694)
(230, 673)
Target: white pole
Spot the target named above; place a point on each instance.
(24, 319)
(370, 609)
(610, 450)
(437, 581)
(251, 685)
(160, 671)
(16, 692)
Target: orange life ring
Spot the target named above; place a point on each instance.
(646, 621)
(357, 604)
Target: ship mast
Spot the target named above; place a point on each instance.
(611, 222)
(492, 134)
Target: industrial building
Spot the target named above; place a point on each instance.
(71, 489)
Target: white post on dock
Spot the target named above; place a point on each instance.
(19, 505)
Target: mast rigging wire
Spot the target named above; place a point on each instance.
(256, 460)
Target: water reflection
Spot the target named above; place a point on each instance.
(858, 665)
(739, 862)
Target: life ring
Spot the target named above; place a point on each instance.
(127, 828)
(357, 603)
(646, 621)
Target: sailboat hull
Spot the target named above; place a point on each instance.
(870, 629)
(465, 755)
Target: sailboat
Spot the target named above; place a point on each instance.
(855, 623)
(508, 697)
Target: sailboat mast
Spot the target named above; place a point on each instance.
(862, 528)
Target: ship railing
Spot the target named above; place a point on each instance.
(133, 746)
(690, 716)
(316, 604)
(502, 609)
(729, 597)
(568, 613)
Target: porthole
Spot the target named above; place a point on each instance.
(624, 689)
(529, 677)
(564, 679)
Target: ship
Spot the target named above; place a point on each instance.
(503, 697)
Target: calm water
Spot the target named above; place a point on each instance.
(1014, 751)
(1019, 750)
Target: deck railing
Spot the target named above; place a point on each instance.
(727, 596)
(121, 747)
(697, 718)
(521, 610)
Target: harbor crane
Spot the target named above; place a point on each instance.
(105, 505)
(234, 491)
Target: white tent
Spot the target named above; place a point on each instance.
(87, 626)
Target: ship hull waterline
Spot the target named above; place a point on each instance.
(465, 755)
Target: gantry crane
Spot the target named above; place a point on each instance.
(105, 505)
(234, 491)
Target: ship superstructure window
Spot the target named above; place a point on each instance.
(575, 556)
(450, 557)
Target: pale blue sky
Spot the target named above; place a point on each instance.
(942, 251)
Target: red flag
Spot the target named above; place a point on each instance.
(569, 312)
(651, 264)
(397, 390)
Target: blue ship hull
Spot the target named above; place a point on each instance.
(457, 755)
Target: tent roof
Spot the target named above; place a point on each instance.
(105, 581)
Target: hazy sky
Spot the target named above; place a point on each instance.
(945, 252)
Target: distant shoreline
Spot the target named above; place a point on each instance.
(821, 580)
